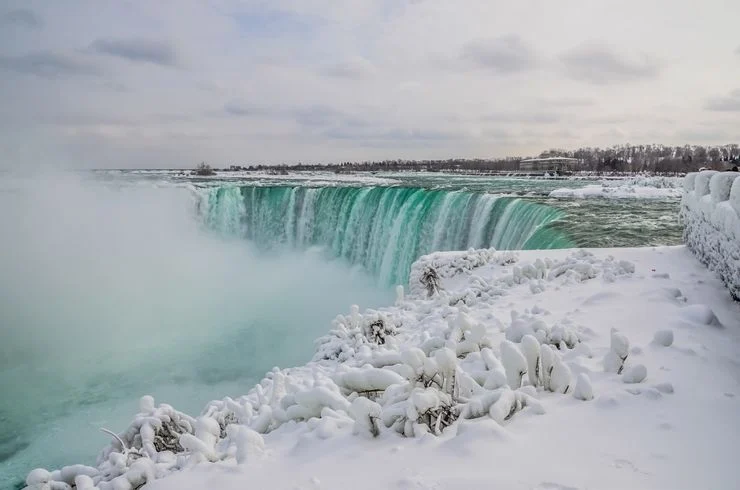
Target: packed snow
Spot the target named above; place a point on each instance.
(611, 368)
(710, 210)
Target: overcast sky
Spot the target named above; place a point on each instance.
(169, 83)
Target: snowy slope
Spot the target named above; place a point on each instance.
(643, 391)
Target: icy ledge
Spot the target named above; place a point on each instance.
(458, 374)
(710, 210)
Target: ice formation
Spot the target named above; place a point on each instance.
(710, 210)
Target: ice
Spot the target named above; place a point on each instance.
(646, 188)
(710, 211)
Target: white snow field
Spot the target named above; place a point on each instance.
(558, 369)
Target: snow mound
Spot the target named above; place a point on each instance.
(710, 211)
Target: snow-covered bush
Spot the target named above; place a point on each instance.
(618, 353)
(351, 332)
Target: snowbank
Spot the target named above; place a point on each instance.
(526, 358)
(710, 210)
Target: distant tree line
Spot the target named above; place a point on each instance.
(626, 158)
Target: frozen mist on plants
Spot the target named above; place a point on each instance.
(110, 292)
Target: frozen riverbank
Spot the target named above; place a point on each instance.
(516, 352)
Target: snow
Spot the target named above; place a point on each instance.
(647, 187)
(663, 337)
(627, 191)
(572, 383)
(710, 210)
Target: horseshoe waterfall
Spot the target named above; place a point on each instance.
(383, 229)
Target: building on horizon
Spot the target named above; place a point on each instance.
(550, 164)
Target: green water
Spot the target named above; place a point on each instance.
(384, 229)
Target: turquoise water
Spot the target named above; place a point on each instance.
(384, 229)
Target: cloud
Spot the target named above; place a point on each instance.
(730, 103)
(600, 64)
(22, 17)
(238, 108)
(507, 54)
(379, 136)
(323, 116)
(355, 68)
(537, 117)
(568, 102)
(138, 50)
(47, 64)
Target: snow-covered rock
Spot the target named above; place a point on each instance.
(663, 337)
(635, 374)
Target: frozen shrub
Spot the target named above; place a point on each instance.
(583, 390)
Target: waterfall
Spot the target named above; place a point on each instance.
(384, 229)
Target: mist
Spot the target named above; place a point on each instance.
(110, 292)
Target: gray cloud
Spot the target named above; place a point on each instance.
(712, 135)
(737, 50)
(239, 108)
(378, 136)
(138, 50)
(731, 103)
(540, 117)
(568, 102)
(355, 68)
(322, 116)
(47, 64)
(600, 64)
(21, 17)
(507, 54)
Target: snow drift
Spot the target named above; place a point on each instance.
(710, 210)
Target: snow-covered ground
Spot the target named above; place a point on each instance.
(646, 187)
(557, 369)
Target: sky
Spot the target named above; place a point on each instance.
(171, 83)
